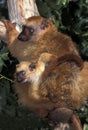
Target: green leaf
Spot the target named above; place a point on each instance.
(1, 64)
(5, 56)
(85, 127)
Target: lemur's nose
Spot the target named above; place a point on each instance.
(20, 76)
(22, 37)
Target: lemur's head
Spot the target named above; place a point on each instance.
(32, 72)
(28, 72)
(34, 28)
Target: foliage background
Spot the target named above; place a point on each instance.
(71, 17)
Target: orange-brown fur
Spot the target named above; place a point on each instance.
(64, 86)
(60, 85)
(45, 40)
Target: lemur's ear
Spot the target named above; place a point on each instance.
(44, 24)
(9, 26)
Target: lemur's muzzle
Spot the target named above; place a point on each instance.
(20, 76)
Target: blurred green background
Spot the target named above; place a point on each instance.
(70, 17)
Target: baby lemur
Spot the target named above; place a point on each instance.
(43, 90)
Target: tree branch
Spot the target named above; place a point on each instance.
(22, 9)
(2, 31)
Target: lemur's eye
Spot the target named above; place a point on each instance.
(31, 30)
(32, 66)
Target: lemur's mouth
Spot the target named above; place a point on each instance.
(20, 76)
(22, 37)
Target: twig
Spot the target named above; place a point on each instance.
(3, 77)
